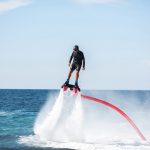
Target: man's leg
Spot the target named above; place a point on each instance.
(77, 77)
(77, 74)
(70, 73)
(69, 76)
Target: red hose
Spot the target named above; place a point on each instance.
(119, 111)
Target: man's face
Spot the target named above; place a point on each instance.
(75, 49)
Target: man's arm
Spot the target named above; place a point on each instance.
(83, 62)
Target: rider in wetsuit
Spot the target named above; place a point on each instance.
(78, 61)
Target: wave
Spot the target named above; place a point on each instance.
(16, 112)
(104, 144)
(5, 113)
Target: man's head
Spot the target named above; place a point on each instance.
(76, 48)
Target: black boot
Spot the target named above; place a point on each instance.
(67, 82)
(76, 83)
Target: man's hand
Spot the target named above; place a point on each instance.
(69, 65)
(83, 68)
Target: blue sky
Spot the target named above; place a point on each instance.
(37, 37)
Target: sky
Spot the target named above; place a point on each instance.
(37, 39)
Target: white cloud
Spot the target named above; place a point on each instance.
(99, 1)
(6, 5)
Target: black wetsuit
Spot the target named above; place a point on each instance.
(78, 58)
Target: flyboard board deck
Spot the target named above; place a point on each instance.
(72, 87)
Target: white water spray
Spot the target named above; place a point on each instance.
(63, 122)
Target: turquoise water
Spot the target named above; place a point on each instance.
(19, 108)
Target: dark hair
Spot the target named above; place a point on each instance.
(76, 47)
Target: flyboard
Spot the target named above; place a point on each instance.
(72, 87)
(76, 89)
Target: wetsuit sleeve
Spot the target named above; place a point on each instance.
(71, 58)
(83, 61)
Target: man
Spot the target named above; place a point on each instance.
(78, 61)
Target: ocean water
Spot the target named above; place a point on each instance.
(94, 126)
